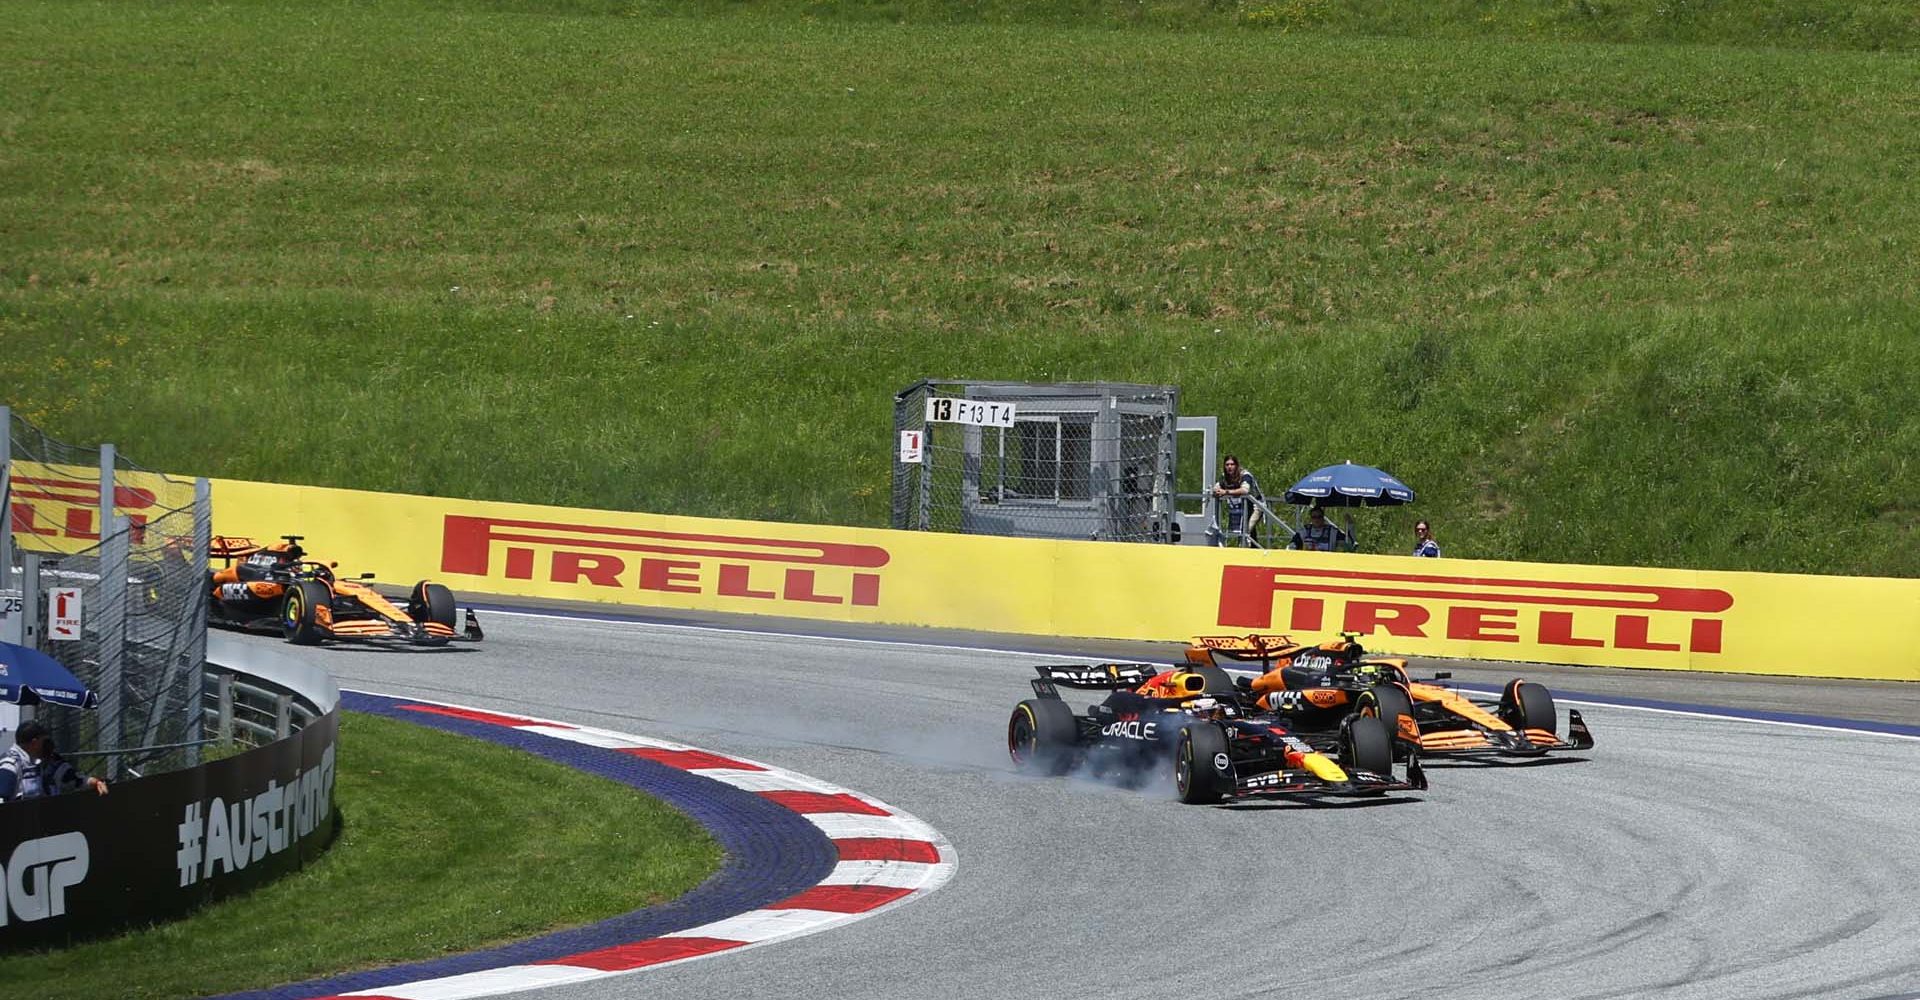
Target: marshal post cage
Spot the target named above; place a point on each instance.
(1081, 460)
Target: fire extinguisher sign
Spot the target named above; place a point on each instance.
(63, 613)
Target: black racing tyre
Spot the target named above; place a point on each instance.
(431, 602)
(1043, 736)
(1388, 703)
(1202, 768)
(1525, 705)
(1365, 745)
(300, 612)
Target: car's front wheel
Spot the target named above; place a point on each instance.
(300, 612)
(1202, 768)
(431, 602)
(1389, 703)
(1365, 745)
(1525, 705)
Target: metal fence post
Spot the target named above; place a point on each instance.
(226, 710)
(110, 629)
(282, 716)
(196, 617)
(101, 608)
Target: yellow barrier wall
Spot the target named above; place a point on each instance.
(56, 508)
(1676, 619)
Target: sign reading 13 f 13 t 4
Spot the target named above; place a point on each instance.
(948, 410)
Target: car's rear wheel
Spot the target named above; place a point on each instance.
(1202, 768)
(1389, 703)
(1365, 746)
(1042, 736)
(431, 602)
(300, 612)
(1525, 705)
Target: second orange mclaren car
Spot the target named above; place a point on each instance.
(1316, 685)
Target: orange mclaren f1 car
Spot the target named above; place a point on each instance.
(1316, 686)
(275, 588)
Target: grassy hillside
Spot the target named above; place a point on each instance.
(1636, 303)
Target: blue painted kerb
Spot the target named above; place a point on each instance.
(772, 853)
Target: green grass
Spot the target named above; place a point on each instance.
(1647, 303)
(443, 837)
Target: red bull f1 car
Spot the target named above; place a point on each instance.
(276, 589)
(1193, 721)
(1316, 686)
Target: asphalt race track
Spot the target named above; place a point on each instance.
(1685, 857)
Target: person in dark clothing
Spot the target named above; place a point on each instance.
(1236, 491)
(34, 767)
(1423, 543)
(1320, 534)
(20, 763)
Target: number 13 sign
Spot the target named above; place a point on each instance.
(948, 410)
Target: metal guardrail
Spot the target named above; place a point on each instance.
(1270, 531)
(255, 694)
(238, 710)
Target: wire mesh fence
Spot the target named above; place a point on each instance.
(140, 575)
(1079, 460)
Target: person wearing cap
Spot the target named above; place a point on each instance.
(1319, 534)
(32, 767)
(20, 764)
(1423, 543)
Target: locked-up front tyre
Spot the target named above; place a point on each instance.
(1202, 768)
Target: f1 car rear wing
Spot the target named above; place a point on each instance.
(1092, 677)
(231, 547)
(1259, 647)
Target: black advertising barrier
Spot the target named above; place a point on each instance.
(78, 865)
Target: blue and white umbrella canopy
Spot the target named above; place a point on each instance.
(1349, 485)
(30, 677)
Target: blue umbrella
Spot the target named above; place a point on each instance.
(30, 677)
(1349, 485)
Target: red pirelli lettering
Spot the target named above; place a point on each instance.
(1483, 624)
(467, 544)
(592, 567)
(1368, 617)
(677, 576)
(736, 581)
(1556, 629)
(1477, 608)
(667, 561)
